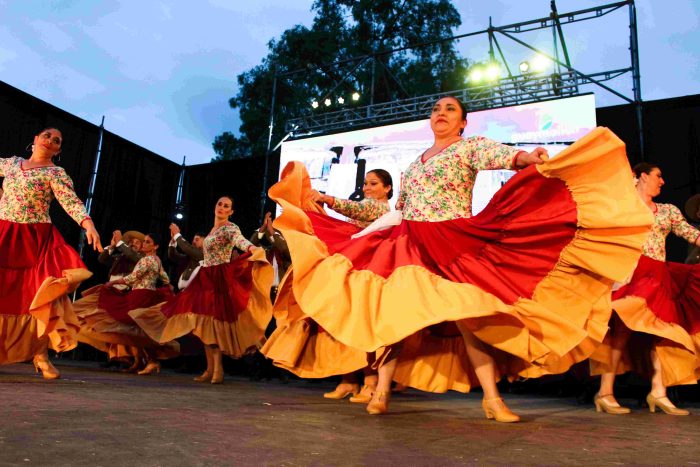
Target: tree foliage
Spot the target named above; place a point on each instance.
(341, 30)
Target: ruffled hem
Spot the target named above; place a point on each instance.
(99, 329)
(299, 346)
(235, 337)
(557, 323)
(658, 305)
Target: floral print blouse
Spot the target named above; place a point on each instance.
(667, 218)
(219, 244)
(441, 188)
(29, 192)
(361, 213)
(146, 274)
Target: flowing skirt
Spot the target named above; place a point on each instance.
(661, 304)
(530, 276)
(227, 305)
(37, 271)
(106, 325)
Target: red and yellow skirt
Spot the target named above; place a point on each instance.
(37, 271)
(530, 276)
(661, 304)
(106, 325)
(227, 305)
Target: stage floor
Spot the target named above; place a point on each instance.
(97, 417)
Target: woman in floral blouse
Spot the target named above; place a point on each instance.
(34, 256)
(449, 301)
(103, 312)
(227, 305)
(657, 313)
(378, 189)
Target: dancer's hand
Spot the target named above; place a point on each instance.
(117, 236)
(92, 236)
(537, 156)
(174, 230)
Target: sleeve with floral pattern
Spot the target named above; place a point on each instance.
(234, 235)
(4, 165)
(487, 154)
(140, 270)
(401, 201)
(367, 210)
(681, 228)
(163, 276)
(62, 187)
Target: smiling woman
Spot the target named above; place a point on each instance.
(37, 267)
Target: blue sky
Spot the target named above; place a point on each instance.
(162, 71)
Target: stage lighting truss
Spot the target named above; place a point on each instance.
(542, 76)
(514, 90)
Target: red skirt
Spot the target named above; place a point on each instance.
(105, 324)
(226, 305)
(661, 304)
(530, 276)
(118, 303)
(671, 291)
(37, 270)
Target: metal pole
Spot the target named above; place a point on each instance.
(263, 194)
(91, 190)
(636, 80)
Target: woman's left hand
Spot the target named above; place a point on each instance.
(93, 238)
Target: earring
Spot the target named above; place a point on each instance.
(30, 147)
(57, 157)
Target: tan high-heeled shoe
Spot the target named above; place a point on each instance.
(379, 403)
(150, 368)
(364, 396)
(496, 409)
(217, 377)
(601, 405)
(204, 377)
(665, 405)
(48, 371)
(342, 391)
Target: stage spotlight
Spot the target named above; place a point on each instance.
(493, 72)
(314, 104)
(475, 75)
(327, 102)
(341, 100)
(540, 63)
(524, 67)
(179, 216)
(356, 96)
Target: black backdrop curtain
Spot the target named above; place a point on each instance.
(242, 179)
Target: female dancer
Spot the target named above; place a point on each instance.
(103, 312)
(660, 306)
(34, 257)
(227, 305)
(517, 287)
(324, 354)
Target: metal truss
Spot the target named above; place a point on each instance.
(509, 90)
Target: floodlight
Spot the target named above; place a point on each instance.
(524, 67)
(341, 100)
(327, 102)
(540, 63)
(356, 96)
(493, 71)
(314, 104)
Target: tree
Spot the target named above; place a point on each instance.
(227, 147)
(342, 30)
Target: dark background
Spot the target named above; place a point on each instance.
(136, 188)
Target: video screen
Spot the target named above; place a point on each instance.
(337, 163)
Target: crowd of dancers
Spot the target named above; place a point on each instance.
(567, 263)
